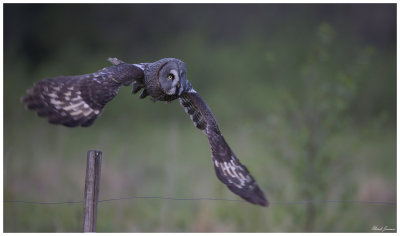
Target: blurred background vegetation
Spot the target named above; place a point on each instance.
(304, 94)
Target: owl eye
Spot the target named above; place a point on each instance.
(170, 76)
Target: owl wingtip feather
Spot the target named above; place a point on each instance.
(255, 196)
(259, 198)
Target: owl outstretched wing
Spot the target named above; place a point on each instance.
(227, 166)
(78, 100)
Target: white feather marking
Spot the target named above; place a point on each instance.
(216, 163)
(56, 102)
(68, 93)
(230, 173)
(70, 88)
(53, 95)
(242, 178)
(75, 113)
(227, 169)
(73, 106)
(78, 98)
(192, 91)
(233, 168)
(140, 66)
(223, 168)
(88, 112)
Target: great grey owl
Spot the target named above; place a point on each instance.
(79, 100)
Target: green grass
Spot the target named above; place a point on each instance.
(173, 159)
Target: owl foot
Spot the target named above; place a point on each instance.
(144, 94)
(137, 86)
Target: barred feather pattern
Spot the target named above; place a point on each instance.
(228, 168)
(79, 100)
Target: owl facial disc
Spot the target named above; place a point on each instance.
(172, 77)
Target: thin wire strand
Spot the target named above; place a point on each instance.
(334, 201)
(173, 198)
(42, 203)
(211, 199)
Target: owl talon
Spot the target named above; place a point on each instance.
(143, 94)
(137, 87)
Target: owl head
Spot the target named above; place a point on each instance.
(172, 77)
(166, 79)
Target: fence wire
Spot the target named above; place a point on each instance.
(209, 199)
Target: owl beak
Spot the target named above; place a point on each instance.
(179, 88)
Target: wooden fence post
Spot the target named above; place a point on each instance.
(92, 188)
